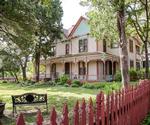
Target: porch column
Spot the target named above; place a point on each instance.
(50, 71)
(86, 71)
(104, 70)
(112, 69)
(76, 70)
(97, 65)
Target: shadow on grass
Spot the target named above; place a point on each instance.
(4, 120)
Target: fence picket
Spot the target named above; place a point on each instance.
(76, 114)
(39, 120)
(90, 112)
(20, 120)
(129, 106)
(65, 120)
(53, 117)
(83, 112)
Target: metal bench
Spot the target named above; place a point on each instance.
(28, 99)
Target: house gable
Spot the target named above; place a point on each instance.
(80, 28)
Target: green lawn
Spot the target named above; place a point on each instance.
(57, 96)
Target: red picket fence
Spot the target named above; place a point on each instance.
(129, 106)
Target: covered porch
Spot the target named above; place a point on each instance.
(93, 67)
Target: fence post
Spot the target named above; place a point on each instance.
(20, 120)
(65, 120)
(83, 112)
(102, 108)
(90, 112)
(53, 117)
(39, 120)
(76, 114)
(107, 109)
(98, 109)
(112, 109)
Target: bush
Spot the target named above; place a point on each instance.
(141, 73)
(133, 74)
(118, 76)
(63, 79)
(69, 82)
(51, 83)
(76, 82)
(66, 85)
(4, 81)
(74, 85)
(94, 85)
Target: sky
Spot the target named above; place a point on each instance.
(72, 12)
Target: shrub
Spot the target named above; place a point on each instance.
(63, 79)
(141, 73)
(77, 82)
(74, 85)
(66, 85)
(51, 83)
(133, 74)
(118, 76)
(4, 81)
(69, 82)
(94, 85)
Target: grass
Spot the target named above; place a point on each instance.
(146, 121)
(57, 96)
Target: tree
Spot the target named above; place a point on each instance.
(48, 15)
(107, 17)
(9, 64)
(17, 25)
(139, 23)
(31, 25)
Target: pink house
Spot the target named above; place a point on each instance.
(82, 57)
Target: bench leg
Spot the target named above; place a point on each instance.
(47, 107)
(14, 110)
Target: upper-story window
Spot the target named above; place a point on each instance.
(67, 49)
(53, 50)
(83, 45)
(137, 49)
(131, 45)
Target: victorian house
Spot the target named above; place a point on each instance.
(82, 57)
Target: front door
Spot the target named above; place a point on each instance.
(67, 68)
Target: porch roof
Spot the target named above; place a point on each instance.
(86, 57)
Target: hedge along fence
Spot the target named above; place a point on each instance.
(129, 106)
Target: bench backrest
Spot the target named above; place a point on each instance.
(29, 98)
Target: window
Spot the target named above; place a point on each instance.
(53, 50)
(131, 45)
(143, 64)
(67, 49)
(137, 65)
(137, 49)
(81, 68)
(131, 63)
(83, 45)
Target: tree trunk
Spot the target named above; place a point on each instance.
(3, 74)
(123, 45)
(146, 61)
(24, 73)
(37, 63)
(146, 41)
(16, 77)
(23, 68)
